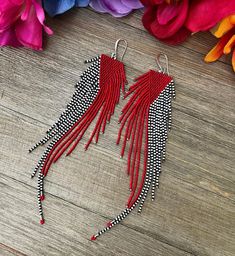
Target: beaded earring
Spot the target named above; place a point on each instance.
(146, 118)
(97, 92)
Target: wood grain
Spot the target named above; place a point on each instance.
(194, 213)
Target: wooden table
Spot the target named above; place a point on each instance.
(194, 211)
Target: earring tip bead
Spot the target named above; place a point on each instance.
(93, 238)
(42, 221)
(109, 224)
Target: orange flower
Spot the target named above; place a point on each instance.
(225, 31)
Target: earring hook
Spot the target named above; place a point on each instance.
(166, 69)
(117, 45)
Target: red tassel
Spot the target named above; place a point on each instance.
(98, 94)
(112, 76)
(146, 119)
(135, 115)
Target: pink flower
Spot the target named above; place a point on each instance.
(22, 23)
(165, 20)
(172, 21)
(204, 14)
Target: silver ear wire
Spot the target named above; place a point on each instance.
(166, 69)
(117, 45)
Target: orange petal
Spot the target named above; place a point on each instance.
(233, 60)
(224, 26)
(230, 44)
(215, 28)
(216, 52)
(232, 19)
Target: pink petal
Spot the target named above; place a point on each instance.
(148, 17)
(167, 12)
(9, 12)
(204, 14)
(178, 37)
(151, 2)
(29, 32)
(16, 2)
(41, 16)
(26, 11)
(8, 37)
(168, 30)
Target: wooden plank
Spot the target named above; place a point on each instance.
(185, 210)
(68, 229)
(8, 251)
(194, 210)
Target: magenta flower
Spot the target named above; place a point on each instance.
(22, 23)
(117, 8)
(173, 21)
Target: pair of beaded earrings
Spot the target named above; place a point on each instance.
(146, 118)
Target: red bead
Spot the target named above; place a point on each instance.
(93, 238)
(42, 221)
(42, 197)
(109, 223)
